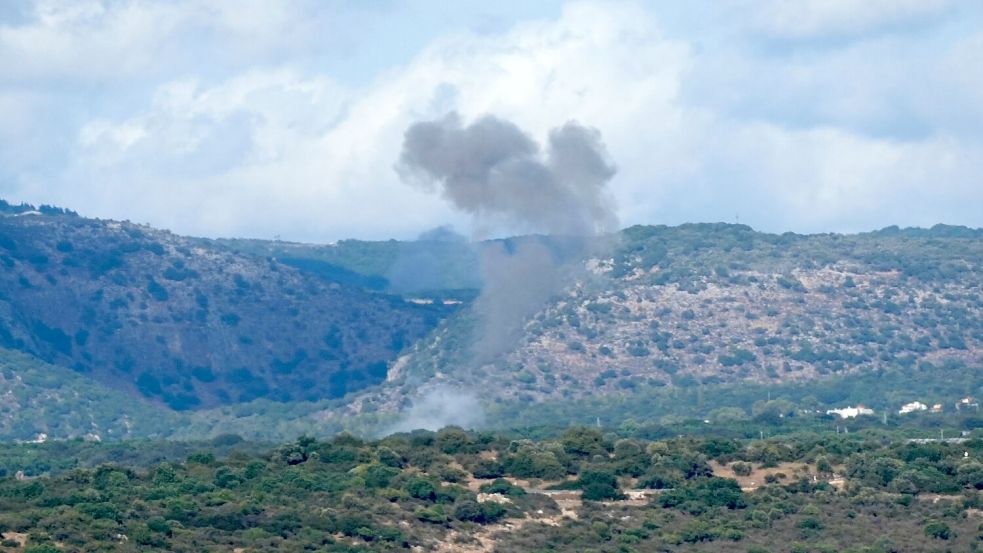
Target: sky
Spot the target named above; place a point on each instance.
(285, 118)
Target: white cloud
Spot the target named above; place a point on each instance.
(328, 152)
(804, 19)
(85, 40)
(874, 132)
(828, 178)
(116, 40)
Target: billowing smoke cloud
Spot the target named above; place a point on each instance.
(495, 171)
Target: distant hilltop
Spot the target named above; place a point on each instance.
(28, 209)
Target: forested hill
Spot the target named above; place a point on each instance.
(188, 322)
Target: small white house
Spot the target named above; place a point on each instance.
(850, 412)
(912, 407)
(967, 403)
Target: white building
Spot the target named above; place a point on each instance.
(850, 412)
(912, 407)
(967, 403)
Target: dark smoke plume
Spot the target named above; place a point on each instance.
(494, 171)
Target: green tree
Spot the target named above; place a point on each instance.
(583, 442)
(533, 462)
(452, 439)
(598, 485)
(741, 469)
(421, 488)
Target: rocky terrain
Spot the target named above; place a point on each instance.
(710, 304)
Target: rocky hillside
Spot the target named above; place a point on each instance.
(188, 322)
(704, 304)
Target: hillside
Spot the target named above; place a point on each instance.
(187, 322)
(40, 401)
(715, 304)
(271, 339)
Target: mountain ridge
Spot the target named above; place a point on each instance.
(304, 337)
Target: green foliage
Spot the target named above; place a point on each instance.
(599, 485)
(482, 513)
(705, 492)
(584, 442)
(63, 404)
(938, 530)
(737, 357)
(534, 462)
(504, 487)
(452, 440)
(312, 495)
(42, 548)
(421, 488)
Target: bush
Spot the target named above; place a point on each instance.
(810, 523)
(710, 492)
(530, 462)
(435, 515)
(452, 440)
(157, 291)
(482, 513)
(658, 480)
(486, 468)
(599, 485)
(938, 530)
(504, 487)
(421, 488)
(378, 475)
(583, 442)
(43, 548)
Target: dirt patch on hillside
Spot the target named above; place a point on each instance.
(18, 537)
(783, 472)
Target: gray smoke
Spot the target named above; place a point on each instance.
(422, 265)
(494, 171)
(439, 407)
(518, 281)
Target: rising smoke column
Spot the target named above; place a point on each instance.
(494, 171)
